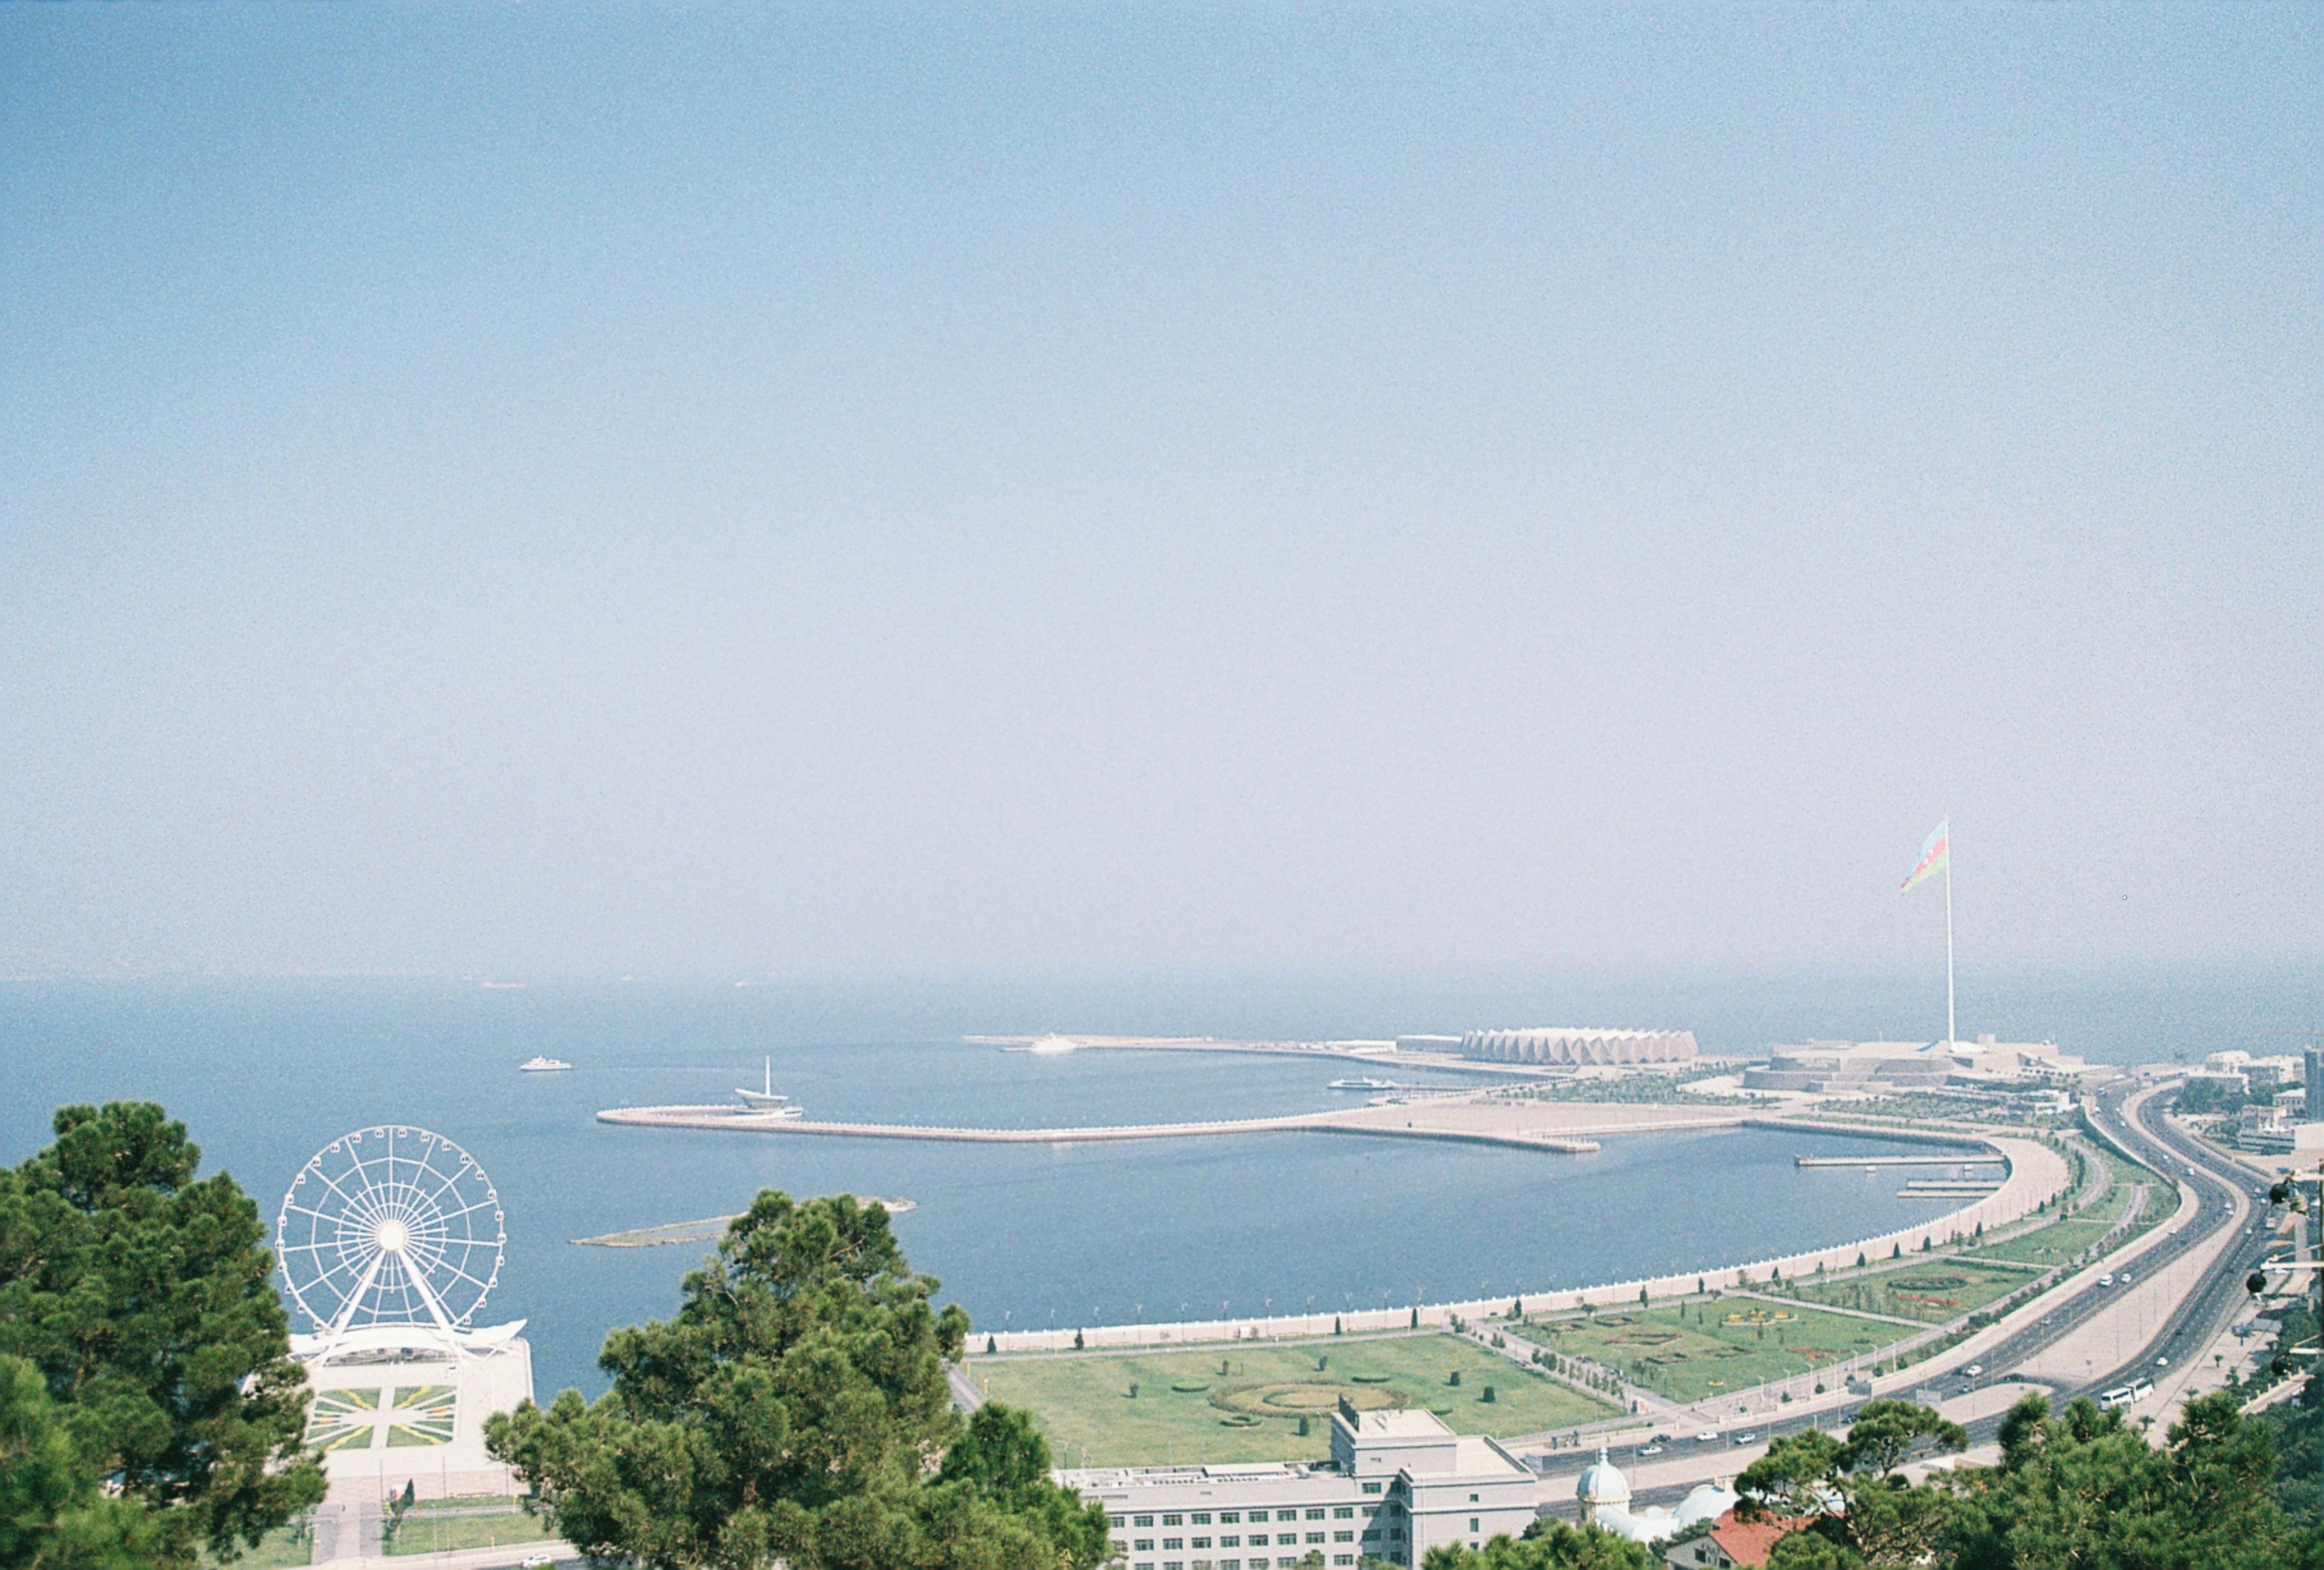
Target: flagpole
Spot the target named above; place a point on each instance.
(1950, 1036)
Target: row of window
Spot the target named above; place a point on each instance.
(1232, 1563)
(1232, 1540)
(1232, 1517)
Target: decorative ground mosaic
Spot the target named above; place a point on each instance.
(400, 1416)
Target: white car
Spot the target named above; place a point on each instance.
(535, 1562)
(1974, 1369)
(1650, 1450)
(1708, 1437)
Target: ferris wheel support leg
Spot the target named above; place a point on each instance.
(434, 1307)
(348, 1312)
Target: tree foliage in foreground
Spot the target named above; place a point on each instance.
(1547, 1545)
(1857, 1511)
(139, 1298)
(2082, 1488)
(2078, 1490)
(798, 1408)
(53, 1515)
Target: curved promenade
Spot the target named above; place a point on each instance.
(2035, 1172)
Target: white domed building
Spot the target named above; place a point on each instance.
(1603, 1490)
(1604, 1495)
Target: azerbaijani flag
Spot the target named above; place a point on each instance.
(1933, 858)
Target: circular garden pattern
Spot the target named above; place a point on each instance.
(1302, 1398)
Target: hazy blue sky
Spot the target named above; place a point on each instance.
(705, 488)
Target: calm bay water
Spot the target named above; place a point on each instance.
(263, 1073)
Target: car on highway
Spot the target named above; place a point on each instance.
(1746, 1438)
(1708, 1437)
(1650, 1450)
(2161, 1362)
(1974, 1369)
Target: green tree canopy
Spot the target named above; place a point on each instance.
(1886, 1433)
(2081, 1488)
(1547, 1545)
(53, 1513)
(1859, 1513)
(142, 1298)
(796, 1407)
(1798, 1476)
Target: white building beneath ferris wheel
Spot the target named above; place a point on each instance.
(389, 1242)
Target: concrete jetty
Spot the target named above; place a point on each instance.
(1966, 1159)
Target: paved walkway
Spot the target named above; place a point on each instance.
(464, 1559)
(347, 1532)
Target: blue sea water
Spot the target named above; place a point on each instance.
(266, 1073)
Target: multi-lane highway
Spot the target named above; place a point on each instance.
(2223, 1197)
(2224, 1191)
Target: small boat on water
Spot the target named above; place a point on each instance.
(766, 1101)
(1365, 1085)
(536, 1064)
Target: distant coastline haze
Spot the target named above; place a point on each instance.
(721, 493)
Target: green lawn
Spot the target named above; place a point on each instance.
(439, 1525)
(1932, 1291)
(2062, 1239)
(279, 1549)
(1704, 1347)
(1242, 1400)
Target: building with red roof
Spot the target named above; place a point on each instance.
(1733, 1544)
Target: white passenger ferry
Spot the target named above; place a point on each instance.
(537, 1065)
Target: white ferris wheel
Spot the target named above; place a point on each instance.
(390, 1226)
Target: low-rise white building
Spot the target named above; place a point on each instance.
(1398, 1484)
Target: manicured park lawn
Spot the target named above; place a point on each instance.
(1242, 1400)
(1931, 1290)
(1705, 1347)
(2061, 1240)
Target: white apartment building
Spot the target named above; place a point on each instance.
(1398, 1484)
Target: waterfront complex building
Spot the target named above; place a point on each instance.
(1398, 1484)
(1580, 1048)
(1900, 1067)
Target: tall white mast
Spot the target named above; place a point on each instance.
(1950, 1036)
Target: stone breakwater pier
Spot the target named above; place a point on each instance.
(1408, 1123)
